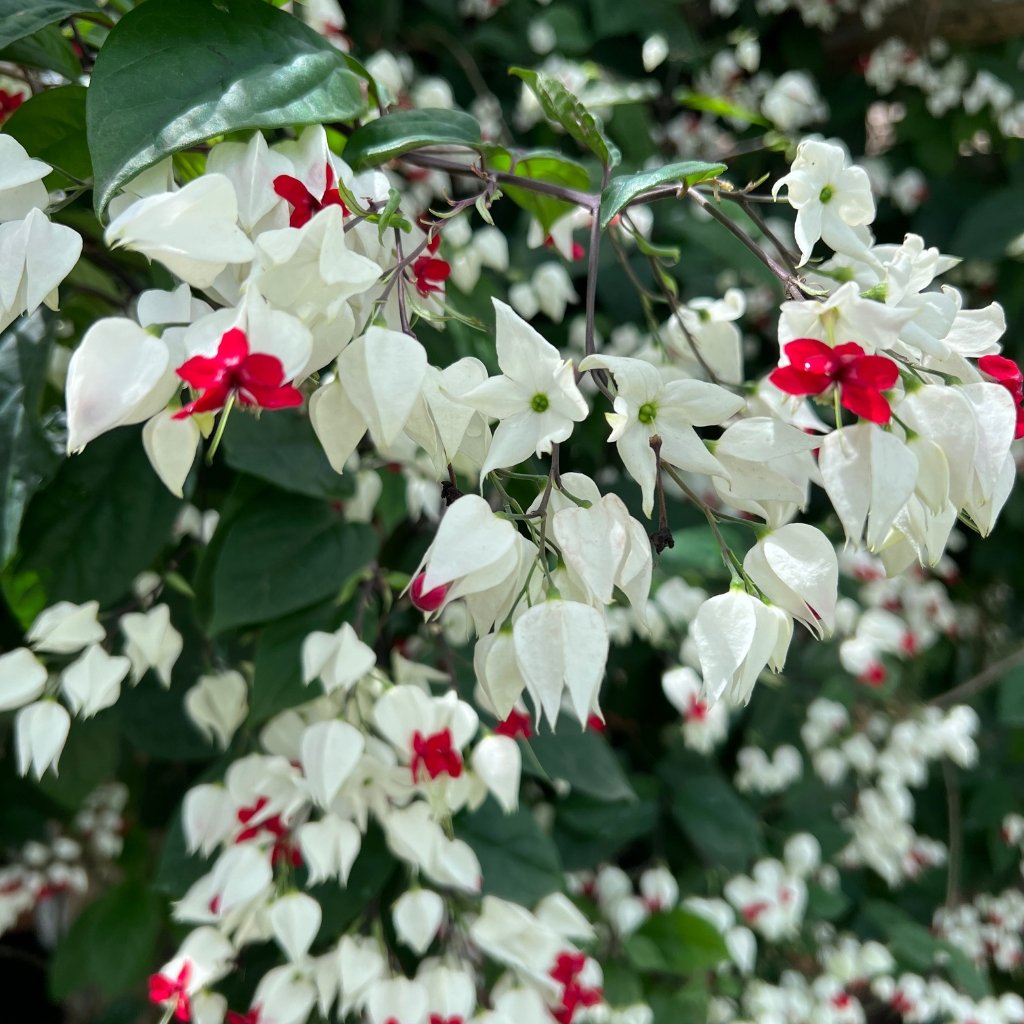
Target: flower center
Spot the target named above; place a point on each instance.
(435, 755)
(539, 402)
(648, 412)
(826, 194)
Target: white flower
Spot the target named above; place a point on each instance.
(218, 704)
(40, 731)
(417, 915)
(193, 232)
(65, 628)
(93, 682)
(831, 199)
(21, 181)
(648, 404)
(151, 642)
(295, 920)
(22, 678)
(535, 399)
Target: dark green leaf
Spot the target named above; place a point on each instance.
(676, 942)
(713, 816)
(174, 73)
(517, 860)
(20, 18)
(111, 945)
(585, 761)
(283, 553)
(46, 49)
(624, 188)
(540, 165)
(987, 227)
(277, 683)
(589, 831)
(826, 904)
(1011, 697)
(563, 108)
(27, 455)
(51, 126)
(283, 450)
(394, 134)
(104, 518)
(696, 550)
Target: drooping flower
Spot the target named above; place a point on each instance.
(430, 271)
(254, 378)
(303, 203)
(1006, 372)
(814, 367)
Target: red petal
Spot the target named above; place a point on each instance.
(292, 190)
(866, 403)
(183, 1011)
(271, 398)
(811, 355)
(799, 382)
(875, 372)
(848, 350)
(160, 988)
(261, 370)
(233, 348)
(209, 401)
(201, 372)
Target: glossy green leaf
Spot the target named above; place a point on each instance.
(282, 553)
(174, 73)
(589, 831)
(104, 518)
(624, 188)
(518, 861)
(560, 106)
(20, 18)
(585, 761)
(394, 134)
(111, 945)
(46, 49)
(51, 127)
(28, 454)
(676, 942)
(540, 165)
(283, 450)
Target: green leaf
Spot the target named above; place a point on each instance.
(51, 126)
(394, 134)
(563, 108)
(28, 456)
(517, 860)
(104, 518)
(540, 165)
(676, 942)
(277, 682)
(282, 553)
(174, 73)
(826, 904)
(988, 226)
(712, 815)
(718, 105)
(697, 551)
(585, 761)
(624, 188)
(111, 945)
(588, 831)
(283, 450)
(46, 49)
(1011, 697)
(20, 18)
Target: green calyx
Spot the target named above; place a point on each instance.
(539, 402)
(647, 414)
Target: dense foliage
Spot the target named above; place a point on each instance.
(510, 547)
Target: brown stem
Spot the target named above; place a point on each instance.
(982, 681)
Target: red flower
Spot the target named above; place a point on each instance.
(566, 973)
(9, 103)
(430, 272)
(303, 203)
(435, 755)
(427, 600)
(254, 378)
(1006, 372)
(173, 990)
(517, 724)
(861, 379)
(252, 1017)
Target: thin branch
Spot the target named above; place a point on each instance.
(587, 200)
(790, 283)
(784, 253)
(982, 681)
(956, 839)
(590, 348)
(403, 313)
